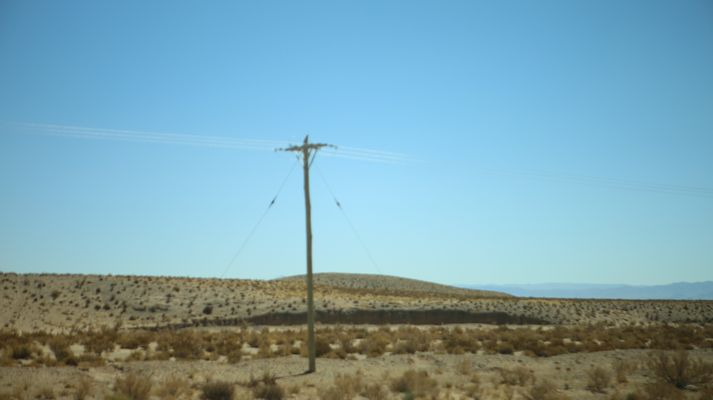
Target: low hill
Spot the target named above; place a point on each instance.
(393, 284)
(61, 303)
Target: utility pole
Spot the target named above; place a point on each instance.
(308, 151)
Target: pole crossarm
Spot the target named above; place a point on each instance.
(306, 147)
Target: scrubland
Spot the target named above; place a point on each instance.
(93, 337)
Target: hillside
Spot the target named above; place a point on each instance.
(43, 302)
(391, 283)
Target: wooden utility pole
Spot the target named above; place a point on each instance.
(308, 151)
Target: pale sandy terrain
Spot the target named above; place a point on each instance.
(141, 317)
(61, 302)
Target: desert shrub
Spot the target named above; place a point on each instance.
(375, 344)
(61, 350)
(174, 388)
(411, 340)
(519, 376)
(184, 344)
(45, 393)
(133, 386)
(345, 387)
(321, 346)
(505, 348)
(374, 391)
(84, 389)
(217, 390)
(267, 388)
(464, 367)
(679, 370)
(21, 352)
(135, 339)
(99, 341)
(544, 390)
(269, 391)
(598, 380)
(459, 341)
(414, 383)
(656, 391)
(622, 369)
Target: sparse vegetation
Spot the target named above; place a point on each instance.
(217, 390)
(133, 386)
(679, 370)
(598, 380)
(414, 383)
(267, 388)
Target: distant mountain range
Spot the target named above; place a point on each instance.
(673, 291)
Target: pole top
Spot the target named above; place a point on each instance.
(306, 146)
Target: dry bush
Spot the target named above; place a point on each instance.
(267, 388)
(375, 391)
(184, 344)
(544, 390)
(174, 388)
(415, 383)
(345, 387)
(62, 353)
(45, 393)
(133, 386)
(410, 340)
(217, 390)
(20, 351)
(375, 344)
(679, 370)
(464, 367)
(459, 341)
(84, 389)
(518, 376)
(321, 346)
(598, 380)
(622, 369)
(99, 341)
(135, 339)
(656, 391)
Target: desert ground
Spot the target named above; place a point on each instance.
(134, 337)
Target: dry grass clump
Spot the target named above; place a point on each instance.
(622, 369)
(375, 344)
(598, 380)
(174, 388)
(217, 390)
(266, 388)
(349, 386)
(345, 387)
(133, 386)
(680, 370)
(45, 393)
(185, 344)
(84, 389)
(414, 384)
(544, 390)
(518, 376)
(654, 391)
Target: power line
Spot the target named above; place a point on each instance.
(224, 142)
(608, 182)
(259, 221)
(349, 221)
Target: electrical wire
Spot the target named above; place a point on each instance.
(349, 221)
(259, 221)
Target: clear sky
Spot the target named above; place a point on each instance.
(567, 141)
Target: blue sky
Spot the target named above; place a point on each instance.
(564, 141)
